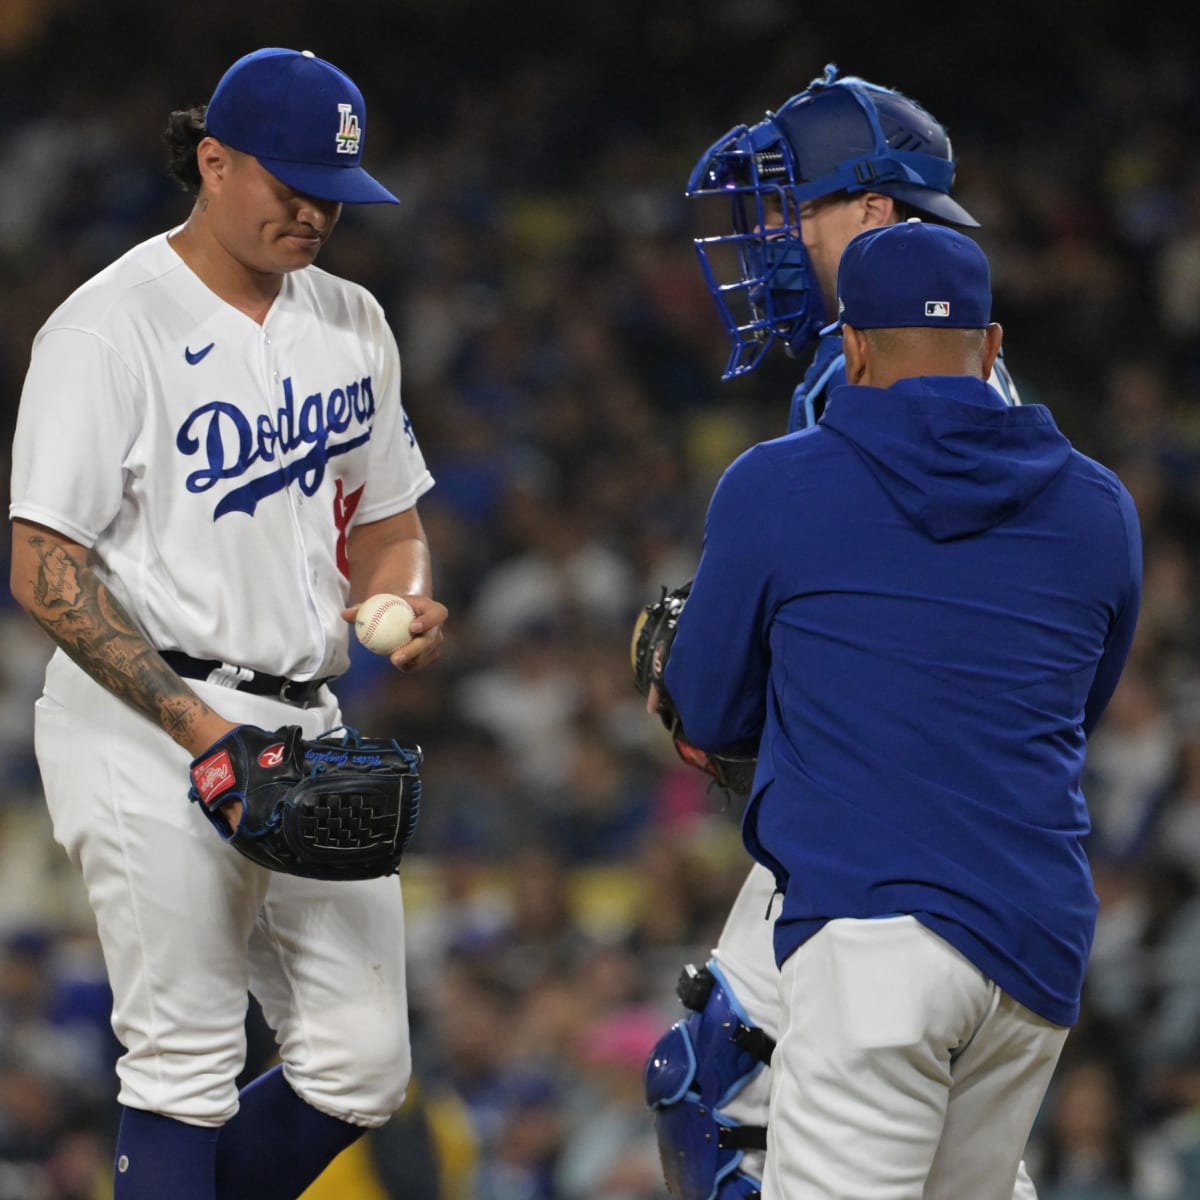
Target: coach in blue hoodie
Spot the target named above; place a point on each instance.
(914, 613)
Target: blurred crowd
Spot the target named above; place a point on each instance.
(561, 364)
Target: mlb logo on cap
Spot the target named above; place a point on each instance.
(887, 276)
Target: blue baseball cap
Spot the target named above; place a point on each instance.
(913, 274)
(302, 118)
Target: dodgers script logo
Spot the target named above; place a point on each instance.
(291, 445)
(348, 132)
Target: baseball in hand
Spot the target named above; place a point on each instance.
(382, 623)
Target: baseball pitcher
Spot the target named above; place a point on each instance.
(211, 467)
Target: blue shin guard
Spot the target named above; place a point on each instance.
(696, 1068)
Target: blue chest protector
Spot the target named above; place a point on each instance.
(826, 371)
(696, 1067)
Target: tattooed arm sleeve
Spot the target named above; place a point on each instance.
(52, 581)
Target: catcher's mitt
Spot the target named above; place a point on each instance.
(340, 806)
(649, 649)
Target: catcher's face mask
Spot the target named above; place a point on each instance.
(839, 135)
(760, 274)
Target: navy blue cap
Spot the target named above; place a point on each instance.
(850, 135)
(913, 274)
(302, 118)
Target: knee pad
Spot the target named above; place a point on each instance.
(695, 1069)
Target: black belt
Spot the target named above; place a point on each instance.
(294, 691)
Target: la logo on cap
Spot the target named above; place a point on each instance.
(302, 118)
(348, 132)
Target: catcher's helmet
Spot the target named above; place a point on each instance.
(838, 135)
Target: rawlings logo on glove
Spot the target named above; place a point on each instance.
(341, 806)
(213, 776)
(272, 756)
(649, 650)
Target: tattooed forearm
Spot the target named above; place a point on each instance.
(91, 625)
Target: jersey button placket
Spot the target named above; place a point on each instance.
(308, 578)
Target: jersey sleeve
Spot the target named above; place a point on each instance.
(720, 661)
(1120, 634)
(397, 476)
(78, 418)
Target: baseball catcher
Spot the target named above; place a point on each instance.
(649, 650)
(868, 156)
(334, 807)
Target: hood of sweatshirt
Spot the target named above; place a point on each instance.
(950, 453)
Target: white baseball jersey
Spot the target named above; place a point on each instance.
(213, 464)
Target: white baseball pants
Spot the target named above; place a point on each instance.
(188, 925)
(746, 955)
(902, 1072)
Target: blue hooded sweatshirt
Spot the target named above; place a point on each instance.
(914, 613)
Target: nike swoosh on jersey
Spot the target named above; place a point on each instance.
(198, 355)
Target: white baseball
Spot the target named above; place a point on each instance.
(382, 623)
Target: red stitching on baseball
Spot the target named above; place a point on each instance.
(373, 624)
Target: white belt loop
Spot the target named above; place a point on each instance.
(229, 676)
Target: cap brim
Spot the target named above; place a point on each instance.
(936, 204)
(345, 185)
